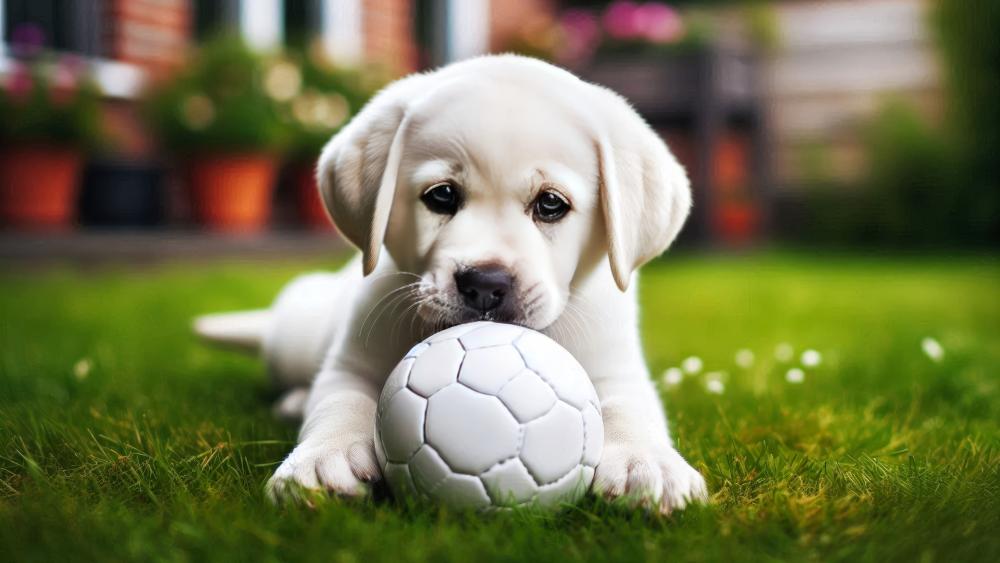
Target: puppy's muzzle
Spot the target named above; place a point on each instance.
(487, 292)
(484, 289)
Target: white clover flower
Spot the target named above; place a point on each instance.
(81, 369)
(932, 348)
(715, 381)
(784, 352)
(811, 358)
(715, 386)
(673, 376)
(795, 375)
(744, 358)
(692, 365)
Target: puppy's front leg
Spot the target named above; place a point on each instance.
(336, 448)
(639, 460)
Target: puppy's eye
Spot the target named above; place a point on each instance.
(550, 207)
(442, 198)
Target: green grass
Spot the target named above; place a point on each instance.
(160, 450)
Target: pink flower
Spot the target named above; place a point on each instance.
(659, 23)
(66, 79)
(20, 82)
(581, 35)
(621, 20)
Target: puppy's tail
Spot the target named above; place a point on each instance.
(242, 330)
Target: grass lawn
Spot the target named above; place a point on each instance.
(122, 438)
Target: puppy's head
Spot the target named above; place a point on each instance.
(502, 182)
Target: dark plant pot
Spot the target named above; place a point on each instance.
(120, 193)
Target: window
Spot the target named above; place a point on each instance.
(63, 25)
(302, 22)
(212, 17)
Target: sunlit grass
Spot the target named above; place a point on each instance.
(122, 438)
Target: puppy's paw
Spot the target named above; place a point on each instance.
(655, 478)
(317, 468)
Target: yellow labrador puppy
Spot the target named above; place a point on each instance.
(498, 188)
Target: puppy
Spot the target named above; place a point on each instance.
(499, 188)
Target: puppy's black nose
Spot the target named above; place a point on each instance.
(484, 289)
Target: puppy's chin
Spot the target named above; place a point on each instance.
(437, 315)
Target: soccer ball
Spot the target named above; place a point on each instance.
(489, 415)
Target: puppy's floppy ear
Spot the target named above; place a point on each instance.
(358, 168)
(645, 194)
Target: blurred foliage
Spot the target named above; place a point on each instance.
(218, 103)
(328, 97)
(231, 98)
(925, 185)
(50, 101)
(577, 35)
(911, 179)
(969, 37)
(762, 23)
(679, 3)
(908, 196)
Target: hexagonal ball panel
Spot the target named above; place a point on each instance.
(593, 426)
(471, 431)
(490, 334)
(398, 477)
(397, 380)
(379, 448)
(558, 367)
(553, 444)
(509, 483)
(401, 426)
(436, 367)
(527, 396)
(454, 332)
(569, 489)
(428, 469)
(461, 491)
(417, 349)
(487, 369)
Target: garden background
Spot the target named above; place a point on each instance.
(824, 335)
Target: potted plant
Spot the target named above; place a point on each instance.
(218, 119)
(317, 99)
(49, 116)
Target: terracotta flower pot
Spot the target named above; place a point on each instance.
(307, 199)
(232, 192)
(38, 186)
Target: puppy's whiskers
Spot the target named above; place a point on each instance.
(393, 297)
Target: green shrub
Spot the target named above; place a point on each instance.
(50, 101)
(911, 183)
(218, 103)
(325, 99)
(967, 33)
(909, 195)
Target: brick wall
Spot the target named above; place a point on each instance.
(153, 34)
(389, 35)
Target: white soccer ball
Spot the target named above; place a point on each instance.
(485, 415)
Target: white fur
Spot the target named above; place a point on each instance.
(501, 128)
